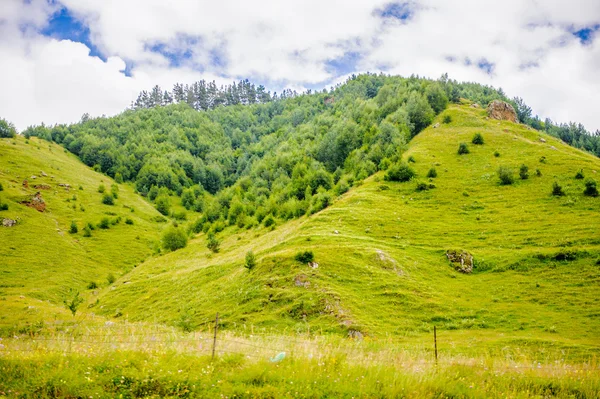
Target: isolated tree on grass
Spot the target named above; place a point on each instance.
(557, 190)
(7, 129)
(463, 148)
(250, 260)
(174, 238)
(505, 174)
(524, 172)
(590, 188)
(477, 139)
(73, 301)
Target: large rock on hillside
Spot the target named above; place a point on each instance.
(502, 111)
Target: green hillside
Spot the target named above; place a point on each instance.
(381, 247)
(524, 322)
(41, 261)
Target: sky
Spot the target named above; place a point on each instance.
(60, 59)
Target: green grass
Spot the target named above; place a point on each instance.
(380, 248)
(40, 260)
(385, 272)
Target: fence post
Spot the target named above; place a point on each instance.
(215, 338)
(435, 343)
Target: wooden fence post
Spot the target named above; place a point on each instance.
(435, 343)
(215, 338)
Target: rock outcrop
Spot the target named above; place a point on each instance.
(503, 111)
(36, 202)
(461, 260)
(8, 222)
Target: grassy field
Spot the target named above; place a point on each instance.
(41, 261)
(138, 360)
(525, 323)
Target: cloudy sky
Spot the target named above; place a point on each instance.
(62, 58)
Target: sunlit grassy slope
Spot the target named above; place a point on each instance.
(40, 261)
(381, 249)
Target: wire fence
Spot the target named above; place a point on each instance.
(256, 345)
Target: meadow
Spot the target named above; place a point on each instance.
(525, 323)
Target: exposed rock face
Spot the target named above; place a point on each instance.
(502, 111)
(8, 222)
(461, 260)
(36, 202)
(301, 281)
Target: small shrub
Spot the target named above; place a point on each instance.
(3, 206)
(73, 301)
(422, 186)
(104, 223)
(538, 173)
(73, 229)
(118, 177)
(250, 260)
(269, 221)
(153, 193)
(411, 159)
(320, 201)
(384, 164)
(181, 215)
(92, 285)
(163, 204)
(108, 199)
(463, 148)
(400, 172)
(1, 187)
(174, 238)
(446, 119)
(114, 191)
(305, 257)
(506, 176)
(432, 173)
(110, 278)
(342, 187)
(524, 172)
(579, 175)
(496, 154)
(213, 243)
(477, 139)
(590, 188)
(557, 190)
(543, 159)
(128, 221)
(87, 232)
(101, 188)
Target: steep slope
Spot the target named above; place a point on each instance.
(381, 247)
(40, 260)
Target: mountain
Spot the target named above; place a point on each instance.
(332, 232)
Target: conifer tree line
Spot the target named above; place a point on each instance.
(203, 95)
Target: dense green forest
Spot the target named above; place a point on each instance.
(265, 157)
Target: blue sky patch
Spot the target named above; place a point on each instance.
(64, 26)
(398, 10)
(586, 35)
(344, 64)
(486, 66)
(180, 52)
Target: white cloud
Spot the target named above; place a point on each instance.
(290, 44)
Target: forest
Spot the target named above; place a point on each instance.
(243, 156)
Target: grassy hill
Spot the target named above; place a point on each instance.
(41, 261)
(381, 247)
(524, 323)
